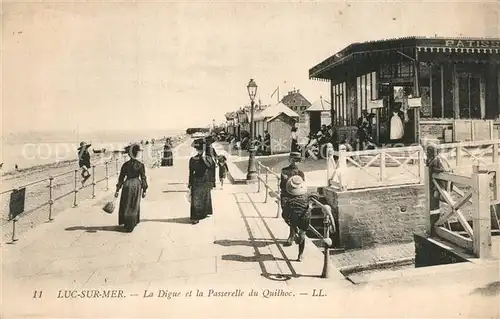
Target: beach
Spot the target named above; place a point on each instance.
(37, 194)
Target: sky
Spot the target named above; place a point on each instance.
(171, 65)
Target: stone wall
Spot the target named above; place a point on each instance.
(373, 217)
(434, 131)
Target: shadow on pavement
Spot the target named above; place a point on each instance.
(95, 229)
(491, 289)
(246, 259)
(178, 220)
(248, 243)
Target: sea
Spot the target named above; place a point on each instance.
(30, 149)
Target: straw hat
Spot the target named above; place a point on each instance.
(296, 186)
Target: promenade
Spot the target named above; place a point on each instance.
(231, 265)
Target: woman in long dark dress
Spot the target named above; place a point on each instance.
(133, 183)
(200, 182)
(168, 157)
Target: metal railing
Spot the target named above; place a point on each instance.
(328, 219)
(16, 213)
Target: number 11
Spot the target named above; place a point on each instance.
(37, 294)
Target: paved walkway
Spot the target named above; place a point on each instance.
(170, 268)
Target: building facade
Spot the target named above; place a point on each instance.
(299, 104)
(446, 90)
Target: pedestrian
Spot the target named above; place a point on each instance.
(223, 169)
(295, 140)
(168, 158)
(84, 161)
(438, 163)
(286, 173)
(213, 154)
(300, 210)
(267, 143)
(133, 183)
(200, 182)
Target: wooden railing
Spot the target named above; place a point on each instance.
(481, 190)
(465, 153)
(347, 170)
(328, 220)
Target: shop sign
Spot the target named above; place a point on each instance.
(484, 44)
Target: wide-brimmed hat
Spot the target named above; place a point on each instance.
(128, 148)
(84, 144)
(296, 186)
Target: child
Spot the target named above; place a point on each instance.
(223, 169)
(300, 210)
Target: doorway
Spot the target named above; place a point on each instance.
(396, 123)
(469, 96)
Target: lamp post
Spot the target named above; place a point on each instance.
(252, 171)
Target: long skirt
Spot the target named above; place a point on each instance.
(130, 204)
(201, 201)
(168, 158)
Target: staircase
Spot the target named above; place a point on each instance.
(317, 218)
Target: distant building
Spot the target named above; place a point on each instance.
(278, 120)
(319, 114)
(299, 104)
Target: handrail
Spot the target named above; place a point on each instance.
(74, 191)
(328, 219)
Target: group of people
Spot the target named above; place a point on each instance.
(132, 182)
(202, 172)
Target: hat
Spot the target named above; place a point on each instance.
(198, 143)
(84, 144)
(128, 148)
(319, 134)
(296, 155)
(295, 186)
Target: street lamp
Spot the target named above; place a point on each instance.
(252, 171)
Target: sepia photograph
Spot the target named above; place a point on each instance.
(250, 159)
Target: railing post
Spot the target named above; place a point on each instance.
(342, 169)
(116, 166)
(327, 242)
(258, 177)
(481, 215)
(278, 199)
(51, 201)
(76, 189)
(330, 164)
(93, 181)
(458, 160)
(267, 187)
(107, 175)
(382, 164)
(495, 152)
(421, 165)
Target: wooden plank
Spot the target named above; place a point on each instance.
(452, 177)
(455, 238)
(481, 216)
